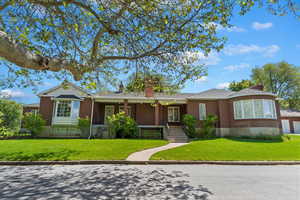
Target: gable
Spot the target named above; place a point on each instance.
(64, 89)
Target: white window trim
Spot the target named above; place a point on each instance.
(105, 114)
(174, 108)
(242, 102)
(64, 120)
(56, 109)
(202, 117)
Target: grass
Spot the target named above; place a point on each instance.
(235, 149)
(72, 149)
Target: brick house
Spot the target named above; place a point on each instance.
(248, 112)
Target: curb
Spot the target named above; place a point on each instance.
(151, 162)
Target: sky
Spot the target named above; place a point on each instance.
(256, 39)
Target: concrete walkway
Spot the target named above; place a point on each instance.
(146, 154)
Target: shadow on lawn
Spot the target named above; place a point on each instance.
(25, 156)
(259, 140)
(96, 182)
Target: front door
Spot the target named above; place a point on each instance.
(174, 114)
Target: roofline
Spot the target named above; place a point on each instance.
(138, 98)
(58, 86)
(199, 98)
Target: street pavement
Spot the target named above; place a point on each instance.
(150, 182)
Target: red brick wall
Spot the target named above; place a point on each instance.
(46, 109)
(145, 114)
(224, 110)
(85, 108)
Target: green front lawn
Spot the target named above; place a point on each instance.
(72, 149)
(235, 149)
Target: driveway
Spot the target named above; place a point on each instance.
(150, 182)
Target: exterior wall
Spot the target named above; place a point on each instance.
(85, 108)
(99, 108)
(242, 123)
(46, 109)
(211, 108)
(291, 122)
(145, 114)
(227, 125)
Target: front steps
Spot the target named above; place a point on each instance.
(176, 134)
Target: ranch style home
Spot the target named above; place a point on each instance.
(248, 112)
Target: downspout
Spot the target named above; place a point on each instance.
(92, 115)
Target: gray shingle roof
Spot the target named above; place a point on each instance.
(141, 95)
(212, 94)
(249, 91)
(289, 113)
(208, 94)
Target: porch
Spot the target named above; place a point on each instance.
(152, 118)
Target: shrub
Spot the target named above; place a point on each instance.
(33, 123)
(12, 114)
(209, 129)
(189, 125)
(122, 126)
(4, 132)
(84, 125)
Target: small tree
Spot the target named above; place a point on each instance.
(12, 114)
(189, 122)
(84, 124)
(209, 128)
(34, 123)
(122, 126)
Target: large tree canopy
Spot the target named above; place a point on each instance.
(101, 38)
(282, 79)
(137, 82)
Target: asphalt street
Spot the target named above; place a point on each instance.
(150, 182)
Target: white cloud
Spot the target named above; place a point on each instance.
(237, 67)
(224, 85)
(202, 79)
(219, 27)
(267, 51)
(12, 93)
(260, 26)
(211, 59)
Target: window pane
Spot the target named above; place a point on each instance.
(75, 111)
(248, 109)
(258, 108)
(202, 111)
(268, 108)
(170, 114)
(176, 115)
(238, 114)
(63, 109)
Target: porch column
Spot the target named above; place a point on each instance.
(156, 112)
(126, 106)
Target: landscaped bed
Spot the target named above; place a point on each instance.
(235, 149)
(72, 149)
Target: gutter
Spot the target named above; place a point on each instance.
(92, 115)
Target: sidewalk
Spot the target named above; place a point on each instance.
(146, 154)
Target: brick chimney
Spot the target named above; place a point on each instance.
(149, 88)
(257, 87)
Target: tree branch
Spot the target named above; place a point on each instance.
(21, 56)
